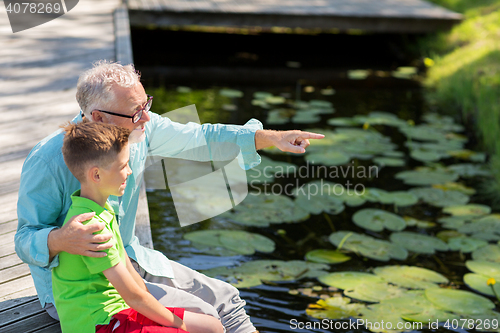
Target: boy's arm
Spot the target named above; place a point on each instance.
(139, 299)
(135, 275)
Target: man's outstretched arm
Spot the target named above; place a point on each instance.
(290, 141)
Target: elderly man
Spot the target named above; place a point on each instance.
(112, 93)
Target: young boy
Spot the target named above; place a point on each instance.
(107, 294)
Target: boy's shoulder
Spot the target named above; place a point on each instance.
(82, 205)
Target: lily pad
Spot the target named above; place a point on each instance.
(357, 74)
(470, 170)
(375, 292)
(483, 267)
(426, 177)
(426, 155)
(413, 222)
(489, 253)
(465, 244)
(334, 308)
(410, 276)
(326, 256)
(389, 161)
(489, 224)
(479, 283)
(272, 208)
(252, 273)
(268, 169)
(231, 93)
(418, 243)
(467, 210)
(261, 95)
(377, 220)
(368, 246)
(239, 241)
(349, 280)
(459, 301)
(455, 187)
(330, 158)
(439, 198)
(339, 121)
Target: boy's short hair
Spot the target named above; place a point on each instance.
(92, 142)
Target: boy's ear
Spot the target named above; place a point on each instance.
(93, 175)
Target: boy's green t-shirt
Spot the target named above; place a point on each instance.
(83, 295)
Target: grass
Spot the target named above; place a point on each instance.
(465, 76)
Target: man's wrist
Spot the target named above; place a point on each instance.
(52, 243)
(265, 138)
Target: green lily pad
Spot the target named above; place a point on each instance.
(316, 197)
(305, 117)
(389, 161)
(455, 187)
(268, 169)
(445, 235)
(470, 170)
(377, 220)
(275, 100)
(326, 256)
(334, 308)
(368, 246)
(483, 267)
(375, 292)
(423, 133)
(489, 253)
(413, 222)
(418, 243)
(339, 121)
(466, 154)
(349, 280)
(373, 314)
(439, 198)
(183, 90)
(467, 210)
(231, 93)
(261, 95)
(399, 198)
(459, 301)
(272, 208)
(425, 155)
(410, 276)
(357, 74)
(238, 241)
(489, 224)
(252, 273)
(330, 158)
(426, 177)
(478, 282)
(465, 244)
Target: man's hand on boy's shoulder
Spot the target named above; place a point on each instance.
(76, 238)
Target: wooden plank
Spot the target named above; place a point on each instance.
(12, 303)
(16, 288)
(30, 324)
(7, 227)
(54, 328)
(9, 261)
(19, 312)
(7, 249)
(13, 273)
(28, 292)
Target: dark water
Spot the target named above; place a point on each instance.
(272, 308)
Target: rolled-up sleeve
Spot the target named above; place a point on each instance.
(172, 139)
(38, 208)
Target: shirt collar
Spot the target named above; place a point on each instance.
(106, 213)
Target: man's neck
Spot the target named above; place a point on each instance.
(93, 193)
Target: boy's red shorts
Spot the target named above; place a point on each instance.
(132, 321)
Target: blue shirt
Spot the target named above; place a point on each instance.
(47, 184)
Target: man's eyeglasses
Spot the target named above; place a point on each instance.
(137, 115)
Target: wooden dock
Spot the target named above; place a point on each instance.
(377, 16)
(39, 69)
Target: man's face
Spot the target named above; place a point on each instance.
(127, 102)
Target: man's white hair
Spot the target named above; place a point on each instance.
(93, 90)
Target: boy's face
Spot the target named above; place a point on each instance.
(114, 176)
